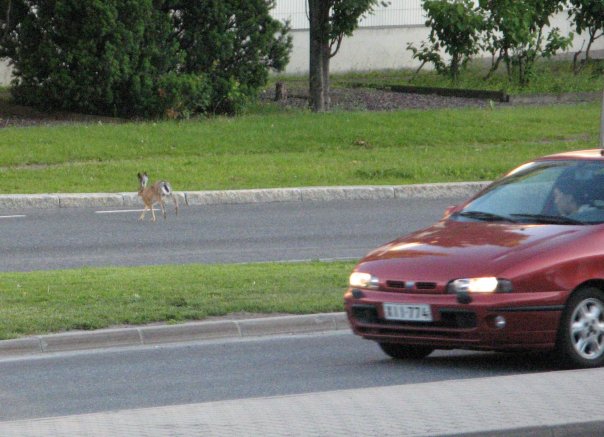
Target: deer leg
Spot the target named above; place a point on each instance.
(175, 200)
(152, 212)
(142, 216)
(162, 205)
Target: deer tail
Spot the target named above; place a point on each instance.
(166, 189)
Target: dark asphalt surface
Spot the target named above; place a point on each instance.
(43, 239)
(104, 380)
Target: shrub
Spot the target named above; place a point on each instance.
(141, 57)
(181, 95)
(455, 27)
(234, 43)
(93, 56)
(517, 34)
(587, 16)
(513, 31)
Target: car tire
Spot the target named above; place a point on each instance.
(581, 334)
(405, 351)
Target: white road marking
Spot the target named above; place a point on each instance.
(12, 216)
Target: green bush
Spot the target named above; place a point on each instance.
(587, 17)
(90, 56)
(519, 33)
(516, 32)
(234, 43)
(455, 28)
(181, 95)
(141, 57)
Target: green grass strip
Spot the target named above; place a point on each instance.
(292, 149)
(55, 301)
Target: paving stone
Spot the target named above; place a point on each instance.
(539, 404)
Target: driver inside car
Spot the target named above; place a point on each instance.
(567, 204)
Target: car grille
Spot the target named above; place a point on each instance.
(410, 287)
(396, 284)
(426, 285)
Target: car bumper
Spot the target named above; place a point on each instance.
(530, 320)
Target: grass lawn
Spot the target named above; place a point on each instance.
(292, 149)
(54, 301)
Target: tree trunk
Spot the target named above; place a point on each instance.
(602, 124)
(326, 55)
(318, 75)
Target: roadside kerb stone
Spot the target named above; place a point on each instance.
(20, 346)
(23, 201)
(193, 331)
(243, 196)
(321, 194)
(369, 193)
(435, 191)
(90, 200)
(188, 332)
(131, 200)
(89, 340)
(305, 194)
(290, 324)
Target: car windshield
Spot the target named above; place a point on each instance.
(544, 192)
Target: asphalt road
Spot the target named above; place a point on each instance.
(105, 380)
(43, 239)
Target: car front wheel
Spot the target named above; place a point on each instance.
(404, 351)
(581, 336)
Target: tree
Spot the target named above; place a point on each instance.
(141, 57)
(587, 15)
(455, 26)
(234, 43)
(93, 56)
(103, 57)
(517, 33)
(330, 21)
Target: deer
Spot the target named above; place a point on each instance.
(155, 194)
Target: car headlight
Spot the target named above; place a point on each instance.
(480, 285)
(363, 280)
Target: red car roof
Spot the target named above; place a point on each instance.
(577, 154)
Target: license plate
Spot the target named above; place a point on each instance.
(408, 312)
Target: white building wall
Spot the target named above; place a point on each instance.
(368, 49)
(5, 72)
(379, 43)
(381, 40)
(397, 13)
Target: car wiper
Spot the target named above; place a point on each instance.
(549, 219)
(485, 216)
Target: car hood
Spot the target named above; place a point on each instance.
(451, 249)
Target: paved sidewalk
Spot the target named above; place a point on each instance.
(541, 404)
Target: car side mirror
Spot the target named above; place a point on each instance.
(450, 211)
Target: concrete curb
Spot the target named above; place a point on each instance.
(305, 194)
(194, 331)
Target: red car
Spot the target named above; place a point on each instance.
(520, 266)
